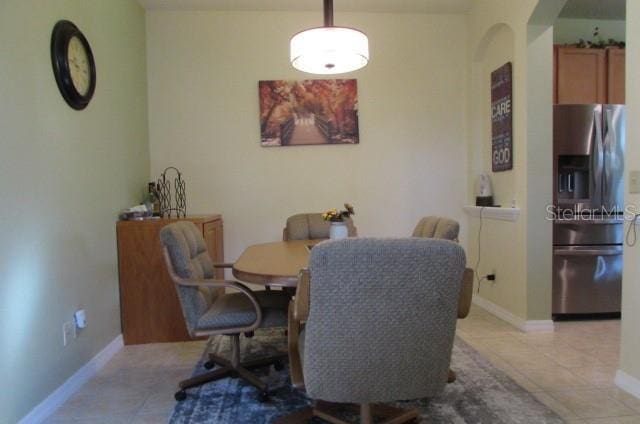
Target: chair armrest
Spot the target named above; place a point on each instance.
(466, 293)
(298, 312)
(301, 301)
(216, 284)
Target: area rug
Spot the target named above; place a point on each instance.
(481, 394)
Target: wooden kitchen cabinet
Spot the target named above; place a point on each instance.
(615, 75)
(588, 75)
(149, 306)
(581, 75)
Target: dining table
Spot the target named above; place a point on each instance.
(278, 264)
(275, 264)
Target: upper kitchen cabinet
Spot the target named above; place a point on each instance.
(581, 75)
(615, 76)
(588, 75)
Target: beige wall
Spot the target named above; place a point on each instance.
(65, 175)
(497, 50)
(630, 352)
(499, 240)
(569, 31)
(203, 111)
(518, 252)
(539, 238)
(498, 34)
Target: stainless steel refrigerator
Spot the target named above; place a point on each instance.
(588, 154)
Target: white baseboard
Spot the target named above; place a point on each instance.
(538, 325)
(628, 383)
(520, 323)
(48, 406)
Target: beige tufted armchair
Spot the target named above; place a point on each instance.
(437, 227)
(444, 228)
(349, 348)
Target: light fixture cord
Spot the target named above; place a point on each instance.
(328, 13)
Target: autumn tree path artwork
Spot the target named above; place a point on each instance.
(308, 112)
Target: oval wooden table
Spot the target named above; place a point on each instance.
(273, 264)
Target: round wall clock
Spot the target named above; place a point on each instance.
(73, 64)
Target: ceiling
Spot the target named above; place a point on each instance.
(394, 6)
(594, 9)
(579, 9)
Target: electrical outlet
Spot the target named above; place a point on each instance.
(68, 332)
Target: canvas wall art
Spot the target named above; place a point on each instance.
(308, 112)
(501, 119)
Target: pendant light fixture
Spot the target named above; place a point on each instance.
(329, 49)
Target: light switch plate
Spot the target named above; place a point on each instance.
(634, 182)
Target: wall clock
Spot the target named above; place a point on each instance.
(73, 64)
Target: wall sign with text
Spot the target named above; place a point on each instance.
(501, 119)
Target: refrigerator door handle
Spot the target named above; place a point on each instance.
(597, 159)
(614, 118)
(606, 143)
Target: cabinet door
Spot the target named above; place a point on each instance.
(581, 75)
(615, 76)
(150, 309)
(213, 236)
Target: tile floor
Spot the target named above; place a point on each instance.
(570, 370)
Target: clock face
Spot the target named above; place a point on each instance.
(73, 64)
(78, 65)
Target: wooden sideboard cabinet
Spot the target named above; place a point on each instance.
(149, 306)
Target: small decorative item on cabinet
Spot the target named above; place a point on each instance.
(338, 229)
(163, 188)
(152, 200)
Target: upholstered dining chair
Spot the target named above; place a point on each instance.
(209, 311)
(310, 226)
(380, 321)
(448, 229)
(445, 228)
(437, 227)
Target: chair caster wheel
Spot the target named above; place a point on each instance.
(263, 397)
(278, 366)
(209, 365)
(180, 395)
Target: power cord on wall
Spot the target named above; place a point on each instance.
(631, 231)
